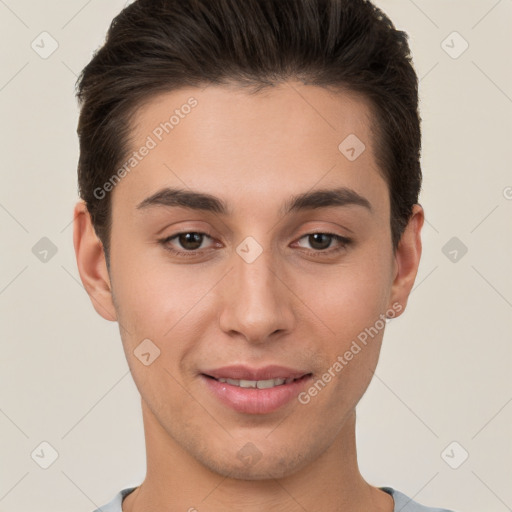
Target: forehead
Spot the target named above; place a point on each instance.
(229, 142)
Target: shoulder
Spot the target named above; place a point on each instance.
(405, 504)
(116, 504)
(402, 502)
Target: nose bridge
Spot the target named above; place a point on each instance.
(256, 302)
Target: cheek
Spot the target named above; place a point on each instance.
(152, 296)
(161, 303)
(350, 302)
(349, 297)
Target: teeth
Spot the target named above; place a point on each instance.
(260, 384)
(265, 384)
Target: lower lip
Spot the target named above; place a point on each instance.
(253, 400)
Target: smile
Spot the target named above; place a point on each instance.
(259, 384)
(262, 395)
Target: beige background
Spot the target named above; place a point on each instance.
(444, 373)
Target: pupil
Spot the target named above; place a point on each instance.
(194, 238)
(315, 238)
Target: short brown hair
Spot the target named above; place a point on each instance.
(157, 46)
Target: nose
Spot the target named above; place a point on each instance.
(257, 304)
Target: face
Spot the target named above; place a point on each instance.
(285, 271)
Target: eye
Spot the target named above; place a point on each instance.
(192, 243)
(321, 243)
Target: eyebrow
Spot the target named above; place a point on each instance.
(321, 198)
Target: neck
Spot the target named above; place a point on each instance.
(175, 481)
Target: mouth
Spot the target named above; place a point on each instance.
(259, 384)
(255, 391)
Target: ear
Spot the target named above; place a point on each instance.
(407, 259)
(92, 266)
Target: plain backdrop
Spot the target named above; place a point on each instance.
(442, 390)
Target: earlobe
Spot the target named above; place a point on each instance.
(92, 266)
(407, 258)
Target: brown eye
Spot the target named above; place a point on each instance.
(190, 241)
(321, 243)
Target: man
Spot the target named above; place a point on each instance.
(281, 140)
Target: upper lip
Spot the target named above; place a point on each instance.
(240, 372)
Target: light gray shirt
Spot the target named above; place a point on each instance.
(402, 502)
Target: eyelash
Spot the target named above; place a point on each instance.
(344, 243)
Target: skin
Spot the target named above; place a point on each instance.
(287, 307)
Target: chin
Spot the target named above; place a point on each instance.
(255, 466)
